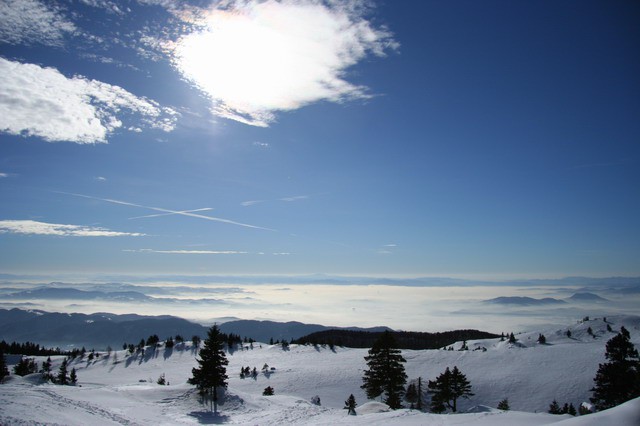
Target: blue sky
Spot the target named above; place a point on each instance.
(456, 138)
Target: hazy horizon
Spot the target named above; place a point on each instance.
(436, 304)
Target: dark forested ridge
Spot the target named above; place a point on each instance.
(404, 339)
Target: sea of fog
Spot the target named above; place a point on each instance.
(402, 307)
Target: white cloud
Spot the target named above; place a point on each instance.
(251, 203)
(37, 101)
(296, 198)
(187, 251)
(255, 58)
(101, 178)
(30, 21)
(4, 175)
(32, 227)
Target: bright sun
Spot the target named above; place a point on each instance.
(273, 56)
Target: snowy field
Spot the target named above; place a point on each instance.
(122, 389)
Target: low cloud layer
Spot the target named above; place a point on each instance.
(254, 58)
(32, 227)
(37, 101)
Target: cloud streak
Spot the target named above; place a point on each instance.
(171, 214)
(177, 212)
(256, 58)
(187, 251)
(42, 102)
(32, 227)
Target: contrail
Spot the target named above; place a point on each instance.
(158, 209)
(169, 214)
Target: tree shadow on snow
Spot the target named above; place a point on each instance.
(167, 353)
(209, 417)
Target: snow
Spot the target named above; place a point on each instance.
(122, 389)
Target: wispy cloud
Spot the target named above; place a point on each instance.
(32, 227)
(37, 101)
(295, 198)
(186, 251)
(177, 212)
(387, 249)
(170, 214)
(285, 199)
(101, 178)
(261, 144)
(255, 58)
(4, 175)
(30, 22)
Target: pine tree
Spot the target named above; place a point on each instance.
(386, 371)
(420, 395)
(569, 334)
(4, 371)
(512, 338)
(618, 380)
(25, 366)
(195, 342)
(268, 391)
(411, 395)
(62, 373)
(447, 388)
(350, 404)
(73, 377)
(541, 339)
(554, 408)
(504, 405)
(571, 410)
(46, 369)
(212, 373)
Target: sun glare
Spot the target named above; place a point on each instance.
(272, 57)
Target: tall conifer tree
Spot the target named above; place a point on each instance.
(212, 373)
(618, 380)
(4, 371)
(386, 371)
(447, 388)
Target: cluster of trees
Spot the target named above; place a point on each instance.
(386, 376)
(29, 366)
(29, 349)
(248, 372)
(554, 408)
(404, 339)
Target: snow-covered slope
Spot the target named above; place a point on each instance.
(120, 389)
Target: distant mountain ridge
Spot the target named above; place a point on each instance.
(525, 301)
(587, 297)
(97, 330)
(263, 331)
(103, 329)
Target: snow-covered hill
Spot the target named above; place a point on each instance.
(121, 389)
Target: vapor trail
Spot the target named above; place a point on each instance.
(159, 209)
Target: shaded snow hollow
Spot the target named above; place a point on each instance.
(121, 389)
